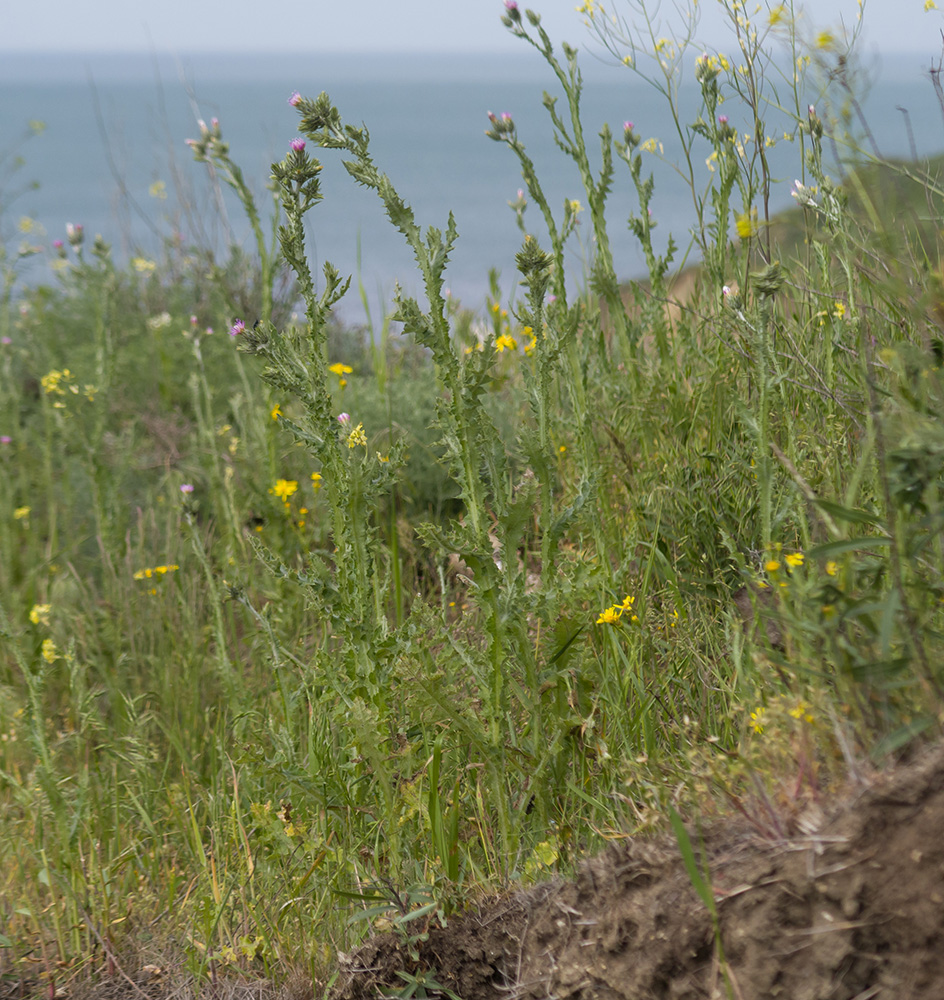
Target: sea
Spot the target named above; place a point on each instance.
(112, 153)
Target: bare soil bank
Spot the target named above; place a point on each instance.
(850, 910)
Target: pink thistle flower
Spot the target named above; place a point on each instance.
(722, 119)
(344, 419)
(186, 488)
(297, 144)
(5, 439)
(295, 99)
(237, 328)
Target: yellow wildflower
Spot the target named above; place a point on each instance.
(50, 381)
(831, 568)
(757, 719)
(771, 565)
(801, 711)
(316, 482)
(158, 190)
(39, 614)
(839, 310)
(50, 653)
(284, 488)
(356, 437)
(505, 341)
(142, 265)
(276, 411)
(747, 224)
(340, 369)
(825, 40)
(794, 559)
(610, 617)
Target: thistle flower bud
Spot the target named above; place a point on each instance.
(511, 9)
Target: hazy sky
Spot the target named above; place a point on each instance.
(180, 26)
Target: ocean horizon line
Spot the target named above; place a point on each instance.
(513, 62)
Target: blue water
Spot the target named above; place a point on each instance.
(115, 125)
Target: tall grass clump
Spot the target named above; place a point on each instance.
(306, 629)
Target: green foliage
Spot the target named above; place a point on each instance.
(288, 628)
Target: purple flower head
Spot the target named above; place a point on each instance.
(492, 117)
(505, 116)
(811, 110)
(214, 123)
(193, 320)
(237, 328)
(510, 5)
(202, 125)
(297, 144)
(628, 126)
(186, 488)
(5, 439)
(344, 419)
(6, 341)
(295, 99)
(722, 119)
(58, 244)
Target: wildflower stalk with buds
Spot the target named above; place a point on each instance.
(214, 152)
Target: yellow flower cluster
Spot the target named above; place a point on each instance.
(356, 437)
(613, 614)
(39, 614)
(154, 571)
(51, 381)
